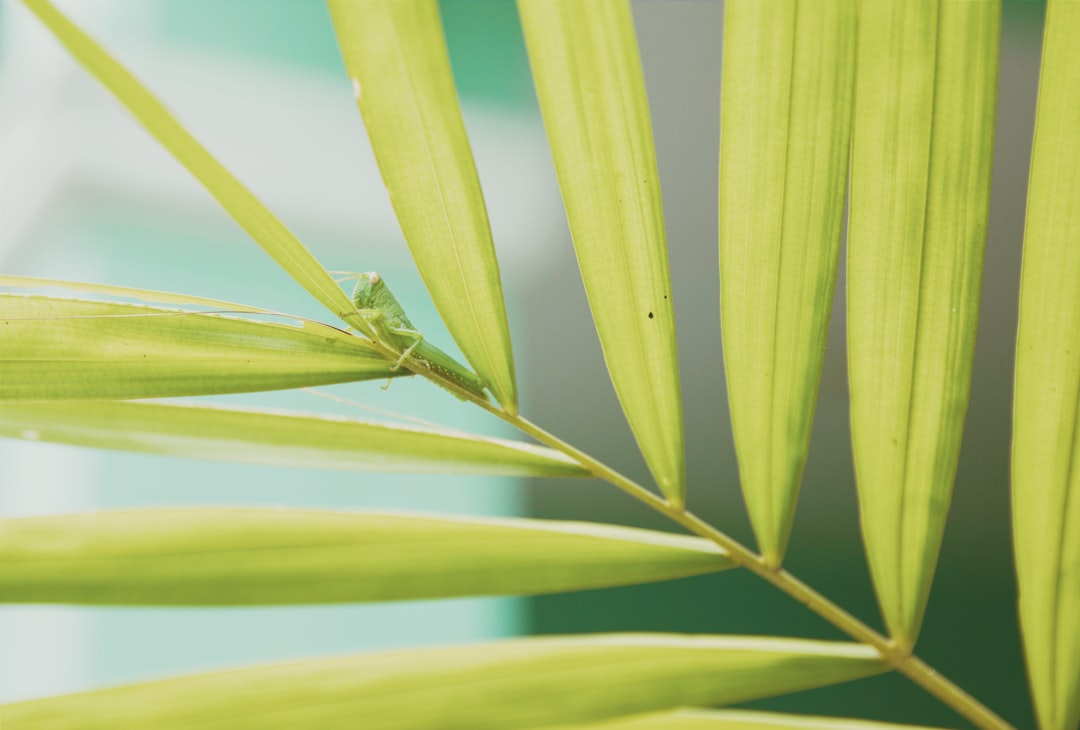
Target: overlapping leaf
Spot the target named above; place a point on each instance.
(1046, 409)
(274, 438)
(76, 348)
(591, 90)
(223, 557)
(784, 136)
(38, 285)
(522, 683)
(396, 56)
(691, 719)
(926, 75)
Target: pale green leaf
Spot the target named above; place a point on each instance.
(591, 91)
(228, 557)
(396, 56)
(693, 719)
(509, 684)
(784, 136)
(52, 348)
(1046, 410)
(276, 438)
(234, 197)
(926, 78)
(35, 284)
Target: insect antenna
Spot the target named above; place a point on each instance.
(178, 313)
(372, 409)
(348, 276)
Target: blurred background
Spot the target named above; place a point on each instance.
(85, 194)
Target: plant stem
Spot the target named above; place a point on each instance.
(899, 659)
(425, 370)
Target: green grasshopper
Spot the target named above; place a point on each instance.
(377, 305)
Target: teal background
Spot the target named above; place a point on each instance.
(483, 37)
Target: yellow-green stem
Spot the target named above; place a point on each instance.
(902, 661)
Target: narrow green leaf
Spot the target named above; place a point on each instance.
(691, 719)
(395, 52)
(1046, 409)
(234, 197)
(275, 438)
(591, 90)
(77, 348)
(35, 284)
(926, 78)
(521, 683)
(229, 557)
(784, 135)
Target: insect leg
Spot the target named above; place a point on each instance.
(417, 339)
(377, 318)
(374, 317)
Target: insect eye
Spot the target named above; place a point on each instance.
(374, 278)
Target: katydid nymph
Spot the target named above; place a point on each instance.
(378, 306)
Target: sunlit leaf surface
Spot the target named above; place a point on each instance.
(396, 56)
(925, 90)
(591, 90)
(227, 557)
(54, 349)
(276, 438)
(1046, 409)
(691, 719)
(522, 683)
(784, 137)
